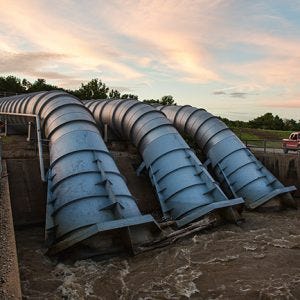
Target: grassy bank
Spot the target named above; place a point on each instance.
(257, 136)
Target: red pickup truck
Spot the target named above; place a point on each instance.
(292, 143)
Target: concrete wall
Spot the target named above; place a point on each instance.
(9, 270)
(286, 167)
(139, 186)
(28, 192)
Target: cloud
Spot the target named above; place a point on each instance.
(40, 27)
(219, 93)
(189, 47)
(279, 64)
(271, 72)
(237, 91)
(121, 89)
(238, 95)
(50, 75)
(29, 63)
(164, 34)
(286, 104)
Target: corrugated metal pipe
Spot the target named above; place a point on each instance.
(237, 169)
(89, 205)
(184, 188)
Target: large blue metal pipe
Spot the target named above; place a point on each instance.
(87, 194)
(237, 169)
(184, 188)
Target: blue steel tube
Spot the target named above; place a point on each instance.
(89, 205)
(237, 169)
(184, 188)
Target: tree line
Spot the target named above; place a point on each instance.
(266, 121)
(94, 89)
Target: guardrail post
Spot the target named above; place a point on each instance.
(5, 127)
(29, 132)
(40, 148)
(265, 146)
(105, 133)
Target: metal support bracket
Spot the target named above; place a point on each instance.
(140, 168)
(206, 163)
(227, 181)
(159, 190)
(50, 226)
(115, 204)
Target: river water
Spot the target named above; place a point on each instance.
(258, 260)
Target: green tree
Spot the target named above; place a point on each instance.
(11, 85)
(151, 101)
(278, 123)
(267, 121)
(167, 100)
(129, 96)
(290, 124)
(94, 89)
(26, 83)
(114, 94)
(39, 85)
(235, 124)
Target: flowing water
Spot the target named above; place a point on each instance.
(258, 260)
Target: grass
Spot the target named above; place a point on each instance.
(256, 137)
(7, 139)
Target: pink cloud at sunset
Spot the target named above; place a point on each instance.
(204, 53)
(289, 104)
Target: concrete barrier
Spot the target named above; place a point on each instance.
(9, 271)
(286, 167)
(28, 193)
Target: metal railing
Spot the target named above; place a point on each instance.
(265, 145)
(38, 133)
(7, 94)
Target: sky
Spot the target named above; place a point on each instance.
(235, 58)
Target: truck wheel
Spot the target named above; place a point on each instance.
(285, 150)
